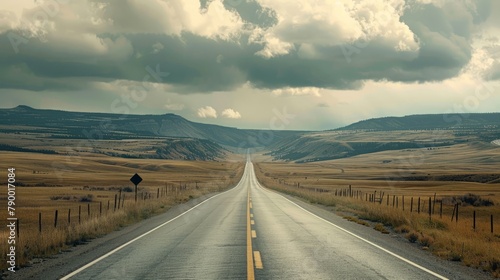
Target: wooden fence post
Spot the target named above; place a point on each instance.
(40, 222)
(491, 223)
(403, 200)
(100, 208)
(418, 209)
(434, 204)
(441, 209)
(88, 210)
(69, 216)
(119, 198)
(430, 208)
(411, 204)
(55, 219)
(474, 220)
(453, 213)
(114, 206)
(456, 216)
(79, 214)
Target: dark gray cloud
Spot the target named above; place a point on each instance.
(197, 63)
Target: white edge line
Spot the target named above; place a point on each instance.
(68, 276)
(359, 237)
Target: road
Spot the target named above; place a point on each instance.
(250, 232)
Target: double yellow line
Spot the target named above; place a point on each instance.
(250, 269)
(251, 255)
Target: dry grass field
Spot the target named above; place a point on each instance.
(76, 183)
(449, 174)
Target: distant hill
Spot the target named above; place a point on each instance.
(103, 126)
(390, 133)
(427, 122)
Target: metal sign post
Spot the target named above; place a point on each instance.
(136, 179)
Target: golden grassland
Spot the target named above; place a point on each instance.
(77, 183)
(391, 173)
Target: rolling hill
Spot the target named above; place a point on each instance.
(428, 122)
(389, 133)
(102, 126)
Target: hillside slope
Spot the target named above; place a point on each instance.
(102, 126)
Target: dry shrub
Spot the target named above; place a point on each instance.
(426, 240)
(413, 236)
(381, 228)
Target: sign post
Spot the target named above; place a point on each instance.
(136, 179)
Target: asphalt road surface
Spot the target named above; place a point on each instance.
(250, 232)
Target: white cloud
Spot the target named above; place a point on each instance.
(231, 114)
(312, 22)
(314, 91)
(207, 112)
(174, 106)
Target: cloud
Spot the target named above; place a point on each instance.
(157, 47)
(174, 106)
(298, 91)
(293, 47)
(207, 112)
(231, 114)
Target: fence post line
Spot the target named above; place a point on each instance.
(79, 214)
(387, 199)
(403, 201)
(69, 216)
(17, 228)
(108, 206)
(88, 210)
(411, 204)
(114, 206)
(418, 208)
(55, 219)
(158, 193)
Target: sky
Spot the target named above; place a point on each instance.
(311, 64)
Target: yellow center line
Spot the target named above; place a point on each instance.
(258, 260)
(254, 234)
(252, 222)
(250, 205)
(251, 215)
(250, 269)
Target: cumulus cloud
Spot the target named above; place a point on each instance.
(231, 114)
(207, 112)
(298, 91)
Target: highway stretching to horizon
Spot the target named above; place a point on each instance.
(250, 232)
